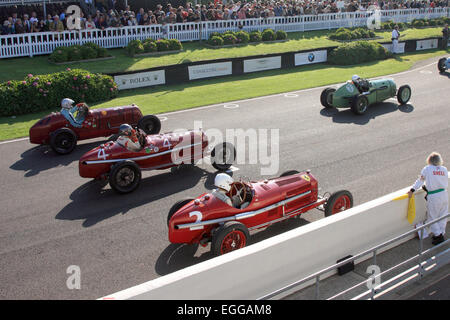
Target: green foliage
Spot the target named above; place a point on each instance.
(88, 52)
(344, 34)
(268, 35)
(242, 37)
(162, 44)
(44, 92)
(60, 54)
(229, 39)
(150, 46)
(281, 35)
(75, 53)
(175, 44)
(135, 47)
(255, 36)
(358, 52)
(215, 41)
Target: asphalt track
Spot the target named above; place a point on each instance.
(51, 218)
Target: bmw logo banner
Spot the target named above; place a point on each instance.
(310, 57)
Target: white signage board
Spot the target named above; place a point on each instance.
(426, 44)
(141, 79)
(210, 70)
(400, 47)
(262, 64)
(310, 57)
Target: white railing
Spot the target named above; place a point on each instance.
(31, 44)
(24, 2)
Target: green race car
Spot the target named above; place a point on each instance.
(358, 94)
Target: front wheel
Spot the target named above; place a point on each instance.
(63, 141)
(150, 124)
(125, 176)
(326, 97)
(338, 201)
(441, 64)
(360, 104)
(403, 94)
(231, 236)
(223, 156)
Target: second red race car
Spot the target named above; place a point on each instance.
(259, 204)
(122, 167)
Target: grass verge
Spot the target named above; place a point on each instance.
(18, 68)
(205, 92)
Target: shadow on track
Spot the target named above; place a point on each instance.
(42, 158)
(178, 256)
(92, 203)
(375, 110)
(445, 74)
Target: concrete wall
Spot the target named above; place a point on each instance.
(262, 268)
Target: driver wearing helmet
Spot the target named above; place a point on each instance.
(128, 138)
(223, 183)
(68, 111)
(361, 84)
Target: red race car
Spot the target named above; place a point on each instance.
(209, 219)
(56, 130)
(122, 167)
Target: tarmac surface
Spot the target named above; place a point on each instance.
(52, 219)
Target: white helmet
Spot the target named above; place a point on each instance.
(355, 77)
(223, 181)
(66, 103)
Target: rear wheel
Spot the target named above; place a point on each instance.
(231, 236)
(289, 173)
(63, 141)
(223, 156)
(441, 64)
(338, 201)
(150, 124)
(177, 206)
(125, 176)
(403, 94)
(326, 97)
(360, 104)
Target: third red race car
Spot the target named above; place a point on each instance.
(260, 204)
(122, 167)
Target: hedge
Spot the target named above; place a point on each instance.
(44, 92)
(243, 37)
(358, 52)
(351, 34)
(87, 51)
(416, 23)
(149, 45)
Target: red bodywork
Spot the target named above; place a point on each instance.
(272, 201)
(161, 151)
(98, 123)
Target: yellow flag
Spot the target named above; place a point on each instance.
(411, 209)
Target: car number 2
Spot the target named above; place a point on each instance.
(199, 216)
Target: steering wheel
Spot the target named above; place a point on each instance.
(83, 110)
(240, 189)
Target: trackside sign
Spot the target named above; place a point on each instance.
(310, 57)
(142, 79)
(210, 70)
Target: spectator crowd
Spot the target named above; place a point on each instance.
(104, 14)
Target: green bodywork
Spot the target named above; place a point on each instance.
(379, 90)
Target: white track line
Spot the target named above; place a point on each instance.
(256, 98)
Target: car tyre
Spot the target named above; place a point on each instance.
(338, 201)
(289, 173)
(223, 156)
(326, 97)
(231, 236)
(403, 94)
(359, 105)
(177, 206)
(63, 141)
(125, 176)
(150, 124)
(441, 65)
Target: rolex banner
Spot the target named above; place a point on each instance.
(142, 79)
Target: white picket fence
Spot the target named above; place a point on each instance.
(31, 44)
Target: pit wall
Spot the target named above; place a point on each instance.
(266, 266)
